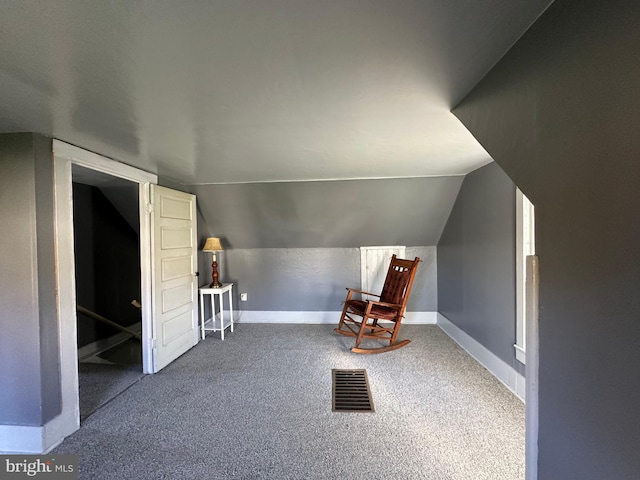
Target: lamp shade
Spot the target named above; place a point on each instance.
(212, 245)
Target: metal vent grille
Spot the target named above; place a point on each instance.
(351, 391)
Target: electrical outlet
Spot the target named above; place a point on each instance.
(243, 297)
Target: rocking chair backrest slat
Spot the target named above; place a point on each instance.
(399, 280)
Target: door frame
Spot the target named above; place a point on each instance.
(64, 157)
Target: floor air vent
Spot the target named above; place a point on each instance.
(351, 391)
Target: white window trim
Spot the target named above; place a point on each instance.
(525, 246)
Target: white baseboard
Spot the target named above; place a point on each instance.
(22, 439)
(420, 318)
(500, 369)
(266, 316)
(322, 318)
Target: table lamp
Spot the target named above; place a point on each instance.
(213, 245)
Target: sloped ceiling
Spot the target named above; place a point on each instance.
(234, 91)
(343, 213)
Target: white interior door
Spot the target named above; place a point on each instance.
(374, 265)
(174, 264)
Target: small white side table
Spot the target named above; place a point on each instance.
(209, 324)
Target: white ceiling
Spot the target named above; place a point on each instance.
(227, 91)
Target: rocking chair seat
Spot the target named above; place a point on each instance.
(359, 307)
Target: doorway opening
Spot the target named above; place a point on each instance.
(106, 224)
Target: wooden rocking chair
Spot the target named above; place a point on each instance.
(390, 308)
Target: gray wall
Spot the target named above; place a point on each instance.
(29, 356)
(295, 246)
(559, 113)
(338, 214)
(310, 279)
(476, 262)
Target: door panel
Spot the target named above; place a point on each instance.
(374, 266)
(176, 297)
(171, 238)
(174, 250)
(173, 268)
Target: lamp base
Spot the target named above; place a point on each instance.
(215, 283)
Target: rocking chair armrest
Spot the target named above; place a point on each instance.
(353, 290)
(384, 304)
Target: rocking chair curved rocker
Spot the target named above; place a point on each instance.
(388, 309)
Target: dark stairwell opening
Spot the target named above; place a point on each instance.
(107, 259)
